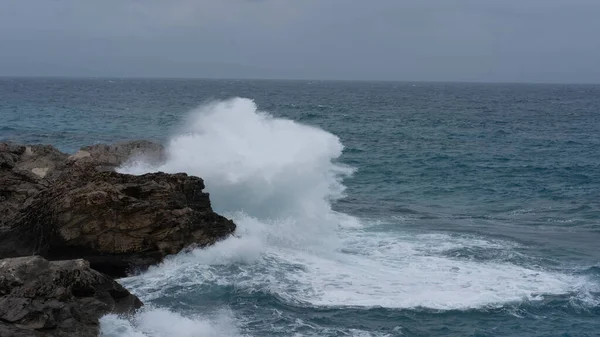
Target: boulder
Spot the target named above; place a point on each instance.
(57, 299)
(118, 222)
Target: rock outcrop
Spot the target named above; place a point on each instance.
(77, 208)
(57, 299)
(118, 221)
(114, 155)
(24, 172)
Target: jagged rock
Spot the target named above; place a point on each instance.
(64, 207)
(57, 299)
(24, 172)
(117, 154)
(118, 221)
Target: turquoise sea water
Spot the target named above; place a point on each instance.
(363, 209)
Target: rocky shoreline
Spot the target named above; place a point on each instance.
(69, 224)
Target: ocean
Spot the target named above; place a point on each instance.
(363, 208)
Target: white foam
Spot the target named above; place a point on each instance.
(276, 179)
(266, 167)
(155, 322)
(373, 270)
(420, 281)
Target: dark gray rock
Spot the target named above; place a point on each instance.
(116, 221)
(58, 299)
(64, 207)
(24, 173)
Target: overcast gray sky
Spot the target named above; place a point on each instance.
(412, 40)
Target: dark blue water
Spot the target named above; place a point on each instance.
(474, 209)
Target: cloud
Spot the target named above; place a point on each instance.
(525, 40)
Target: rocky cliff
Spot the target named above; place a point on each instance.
(69, 223)
(118, 221)
(63, 207)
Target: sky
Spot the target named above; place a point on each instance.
(403, 40)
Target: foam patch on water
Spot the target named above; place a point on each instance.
(155, 322)
(373, 270)
(421, 281)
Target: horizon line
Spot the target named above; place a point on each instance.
(68, 77)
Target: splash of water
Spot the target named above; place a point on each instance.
(277, 179)
(266, 167)
(157, 322)
(278, 172)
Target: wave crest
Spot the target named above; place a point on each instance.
(277, 179)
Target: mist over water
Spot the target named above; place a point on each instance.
(277, 179)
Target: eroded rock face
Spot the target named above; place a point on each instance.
(117, 154)
(63, 207)
(119, 221)
(24, 173)
(60, 298)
